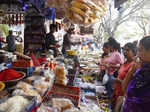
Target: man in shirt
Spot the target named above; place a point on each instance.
(50, 41)
(11, 41)
(67, 40)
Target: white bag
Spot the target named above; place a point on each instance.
(105, 79)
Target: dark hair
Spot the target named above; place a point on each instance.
(113, 43)
(145, 42)
(53, 26)
(135, 42)
(131, 46)
(10, 32)
(106, 44)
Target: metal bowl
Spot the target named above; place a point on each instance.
(11, 83)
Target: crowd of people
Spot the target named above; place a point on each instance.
(129, 74)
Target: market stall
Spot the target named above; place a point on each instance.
(47, 84)
(61, 84)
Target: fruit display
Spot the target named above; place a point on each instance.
(83, 12)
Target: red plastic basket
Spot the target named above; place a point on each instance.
(66, 89)
(48, 100)
(60, 91)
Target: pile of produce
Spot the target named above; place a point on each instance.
(9, 74)
(84, 11)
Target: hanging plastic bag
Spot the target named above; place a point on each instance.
(105, 78)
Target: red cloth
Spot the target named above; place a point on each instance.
(9, 74)
(121, 75)
(1, 39)
(34, 59)
(41, 60)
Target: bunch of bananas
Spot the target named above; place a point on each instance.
(84, 12)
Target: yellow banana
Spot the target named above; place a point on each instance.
(79, 11)
(93, 8)
(87, 21)
(92, 14)
(80, 5)
(102, 6)
(68, 12)
(78, 19)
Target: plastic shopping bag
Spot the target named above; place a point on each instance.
(105, 79)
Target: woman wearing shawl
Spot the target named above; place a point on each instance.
(129, 51)
(138, 90)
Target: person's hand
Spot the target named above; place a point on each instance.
(116, 80)
(107, 65)
(57, 45)
(52, 46)
(102, 67)
(137, 64)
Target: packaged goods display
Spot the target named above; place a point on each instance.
(64, 87)
(60, 75)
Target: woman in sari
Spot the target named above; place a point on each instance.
(129, 52)
(138, 90)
